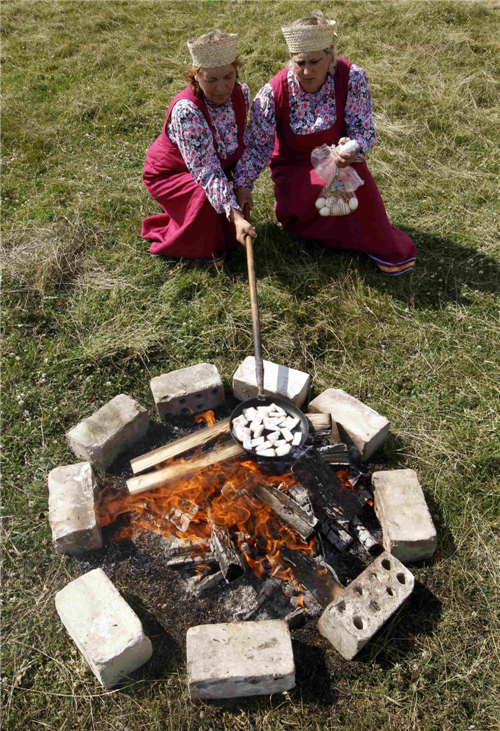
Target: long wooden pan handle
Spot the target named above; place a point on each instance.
(259, 364)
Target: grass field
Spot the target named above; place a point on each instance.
(88, 314)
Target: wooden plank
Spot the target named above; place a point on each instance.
(287, 509)
(174, 449)
(321, 424)
(179, 470)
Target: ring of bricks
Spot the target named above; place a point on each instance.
(241, 658)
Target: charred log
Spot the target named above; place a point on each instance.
(312, 576)
(287, 509)
(228, 557)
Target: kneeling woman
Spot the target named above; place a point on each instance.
(188, 168)
(319, 99)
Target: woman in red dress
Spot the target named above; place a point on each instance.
(189, 167)
(319, 99)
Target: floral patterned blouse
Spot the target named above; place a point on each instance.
(189, 130)
(308, 113)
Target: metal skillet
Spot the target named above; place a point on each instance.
(261, 399)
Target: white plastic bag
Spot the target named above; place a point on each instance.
(337, 197)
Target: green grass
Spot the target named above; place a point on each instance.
(88, 314)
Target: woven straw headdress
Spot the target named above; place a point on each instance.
(211, 54)
(304, 39)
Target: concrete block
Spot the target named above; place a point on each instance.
(103, 436)
(105, 629)
(72, 492)
(188, 390)
(407, 527)
(351, 620)
(239, 659)
(367, 429)
(279, 380)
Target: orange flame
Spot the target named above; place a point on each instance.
(225, 490)
(205, 416)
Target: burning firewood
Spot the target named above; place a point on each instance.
(182, 515)
(287, 509)
(365, 537)
(228, 557)
(312, 576)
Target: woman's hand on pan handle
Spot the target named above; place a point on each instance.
(243, 227)
(244, 196)
(345, 158)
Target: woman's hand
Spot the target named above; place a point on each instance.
(244, 196)
(345, 158)
(243, 227)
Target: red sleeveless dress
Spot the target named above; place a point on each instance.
(297, 188)
(189, 225)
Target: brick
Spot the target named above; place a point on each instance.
(351, 620)
(239, 659)
(72, 492)
(407, 527)
(366, 427)
(100, 438)
(105, 629)
(188, 390)
(279, 381)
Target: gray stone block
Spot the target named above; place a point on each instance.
(366, 427)
(72, 492)
(279, 380)
(103, 436)
(407, 527)
(239, 659)
(188, 390)
(105, 629)
(350, 621)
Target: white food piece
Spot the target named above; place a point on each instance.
(324, 211)
(353, 203)
(280, 443)
(349, 146)
(264, 445)
(320, 203)
(263, 410)
(251, 413)
(255, 424)
(247, 441)
(273, 437)
(257, 441)
(291, 422)
(267, 453)
(287, 434)
(270, 424)
(241, 419)
(238, 432)
(258, 431)
(285, 449)
(297, 438)
(275, 407)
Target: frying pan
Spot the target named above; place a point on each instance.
(261, 399)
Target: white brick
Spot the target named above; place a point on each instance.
(366, 427)
(239, 659)
(366, 604)
(103, 436)
(188, 390)
(407, 527)
(279, 381)
(72, 491)
(105, 629)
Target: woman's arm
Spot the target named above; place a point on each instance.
(191, 133)
(358, 112)
(259, 139)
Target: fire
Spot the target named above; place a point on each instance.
(223, 493)
(206, 416)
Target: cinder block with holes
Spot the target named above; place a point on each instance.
(366, 604)
(111, 430)
(188, 390)
(105, 629)
(407, 527)
(239, 659)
